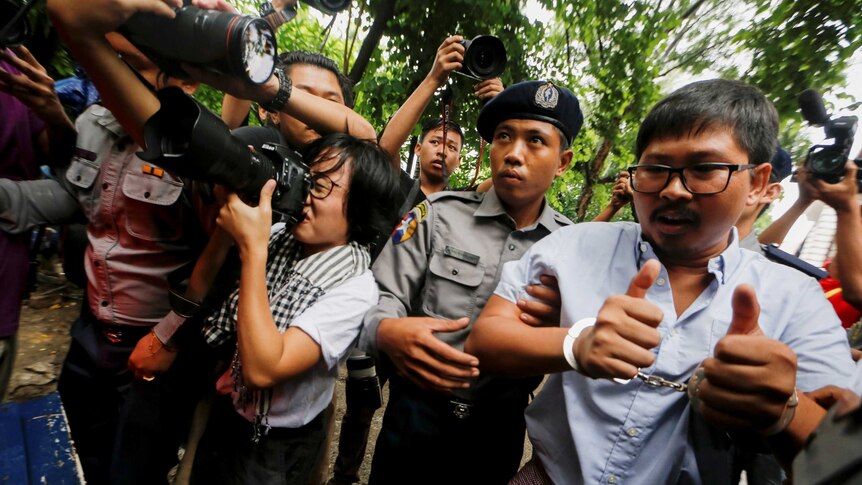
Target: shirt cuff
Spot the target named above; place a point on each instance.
(168, 326)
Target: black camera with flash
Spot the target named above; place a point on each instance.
(188, 139)
(827, 161)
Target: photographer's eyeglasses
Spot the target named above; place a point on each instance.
(321, 186)
(699, 179)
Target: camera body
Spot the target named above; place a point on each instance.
(484, 57)
(186, 138)
(15, 30)
(330, 7)
(363, 387)
(827, 161)
(228, 43)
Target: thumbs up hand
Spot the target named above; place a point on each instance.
(750, 379)
(625, 330)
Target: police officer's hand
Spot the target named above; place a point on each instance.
(248, 226)
(840, 196)
(544, 308)
(98, 17)
(625, 330)
(827, 396)
(420, 356)
(488, 88)
(150, 357)
(748, 382)
(450, 56)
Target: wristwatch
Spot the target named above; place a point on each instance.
(277, 17)
(285, 87)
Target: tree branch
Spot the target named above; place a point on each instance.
(385, 12)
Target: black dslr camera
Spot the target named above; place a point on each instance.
(239, 45)
(15, 30)
(188, 139)
(826, 162)
(484, 57)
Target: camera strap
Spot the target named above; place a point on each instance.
(445, 113)
(478, 163)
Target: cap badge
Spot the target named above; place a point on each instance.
(547, 96)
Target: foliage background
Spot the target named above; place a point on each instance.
(618, 56)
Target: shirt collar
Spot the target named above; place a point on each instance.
(491, 206)
(720, 266)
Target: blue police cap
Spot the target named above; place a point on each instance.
(533, 100)
(782, 165)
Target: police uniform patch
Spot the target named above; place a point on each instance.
(547, 96)
(407, 227)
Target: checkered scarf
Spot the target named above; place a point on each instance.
(294, 284)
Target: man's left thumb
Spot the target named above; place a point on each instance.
(746, 312)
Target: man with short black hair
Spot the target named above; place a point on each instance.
(644, 307)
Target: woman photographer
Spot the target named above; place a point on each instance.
(296, 314)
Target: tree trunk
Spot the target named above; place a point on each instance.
(591, 175)
(384, 13)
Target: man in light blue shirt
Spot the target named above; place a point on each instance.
(650, 304)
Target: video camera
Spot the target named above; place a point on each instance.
(188, 139)
(826, 162)
(16, 30)
(484, 57)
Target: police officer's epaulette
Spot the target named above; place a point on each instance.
(562, 220)
(776, 255)
(457, 195)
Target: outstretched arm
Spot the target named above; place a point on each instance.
(449, 57)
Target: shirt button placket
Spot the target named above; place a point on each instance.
(612, 479)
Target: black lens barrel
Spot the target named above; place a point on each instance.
(212, 39)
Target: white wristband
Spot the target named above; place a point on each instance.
(569, 341)
(786, 416)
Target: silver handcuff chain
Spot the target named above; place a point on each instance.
(656, 381)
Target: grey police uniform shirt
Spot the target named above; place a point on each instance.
(140, 224)
(444, 259)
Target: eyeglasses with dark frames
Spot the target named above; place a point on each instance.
(321, 186)
(699, 179)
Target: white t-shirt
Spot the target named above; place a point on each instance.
(333, 322)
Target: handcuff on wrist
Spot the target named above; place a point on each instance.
(569, 353)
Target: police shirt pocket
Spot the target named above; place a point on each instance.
(451, 289)
(82, 173)
(151, 212)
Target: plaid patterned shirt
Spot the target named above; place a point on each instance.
(294, 284)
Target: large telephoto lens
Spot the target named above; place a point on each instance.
(484, 57)
(13, 31)
(227, 43)
(191, 141)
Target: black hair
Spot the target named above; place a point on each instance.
(437, 123)
(717, 103)
(374, 192)
(288, 59)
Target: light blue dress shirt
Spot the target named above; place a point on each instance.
(597, 431)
